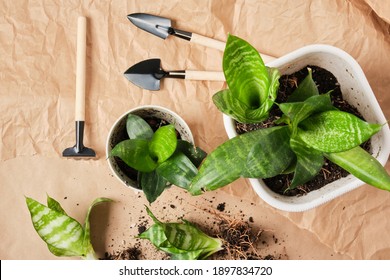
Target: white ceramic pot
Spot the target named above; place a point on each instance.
(356, 91)
(118, 133)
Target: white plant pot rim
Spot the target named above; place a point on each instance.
(177, 121)
(356, 90)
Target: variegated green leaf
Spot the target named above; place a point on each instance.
(252, 86)
(63, 234)
(55, 205)
(308, 164)
(363, 166)
(163, 143)
(138, 128)
(335, 131)
(178, 170)
(270, 154)
(135, 153)
(299, 111)
(152, 184)
(229, 161)
(182, 240)
(306, 89)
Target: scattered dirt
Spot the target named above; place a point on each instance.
(241, 239)
(330, 172)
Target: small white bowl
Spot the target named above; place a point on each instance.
(356, 91)
(118, 133)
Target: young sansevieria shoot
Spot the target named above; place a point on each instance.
(309, 130)
(64, 236)
(183, 241)
(159, 157)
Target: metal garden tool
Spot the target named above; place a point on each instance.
(147, 74)
(79, 150)
(161, 27)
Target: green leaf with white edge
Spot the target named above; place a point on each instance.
(363, 166)
(63, 234)
(89, 251)
(270, 154)
(252, 86)
(138, 128)
(306, 89)
(299, 111)
(163, 143)
(195, 154)
(335, 131)
(309, 163)
(178, 170)
(228, 162)
(152, 184)
(135, 153)
(182, 240)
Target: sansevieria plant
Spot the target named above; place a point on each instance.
(64, 236)
(309, 130)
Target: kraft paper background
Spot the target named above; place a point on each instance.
(37, 91)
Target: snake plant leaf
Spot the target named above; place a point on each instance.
(152, 184)
(163, 143)
(63, 234)
(299, 111)
(182, 240)
(309, 163)
(55, 205)
(252, 86)
(135, 153)
(178, 170)
(363, 166)
(335, 131)
(306, 89)
(138, 128)
(228, 162)
(89, 251)
(270, 154)
(195, 154)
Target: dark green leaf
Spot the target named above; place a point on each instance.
(308, 164)
(152, 184)
(178, 170)
(138, 128)
(270, 155)
(195, 154)
(135, 153)
(306, 89)
(335, 131)
(229, 161)
(363, 166)
(163, 143)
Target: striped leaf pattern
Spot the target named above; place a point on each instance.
(230, 161)
(181, 240)
(363, 166)
(335, 131)
(152, 183)
(64, 235)
(252, 86)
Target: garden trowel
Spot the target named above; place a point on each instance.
(147, 74)
(162, 28)
(79, 150)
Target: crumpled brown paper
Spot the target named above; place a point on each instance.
(37, 88)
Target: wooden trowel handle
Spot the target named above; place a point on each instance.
(219, 45)
(204, 75)
(80, 68)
